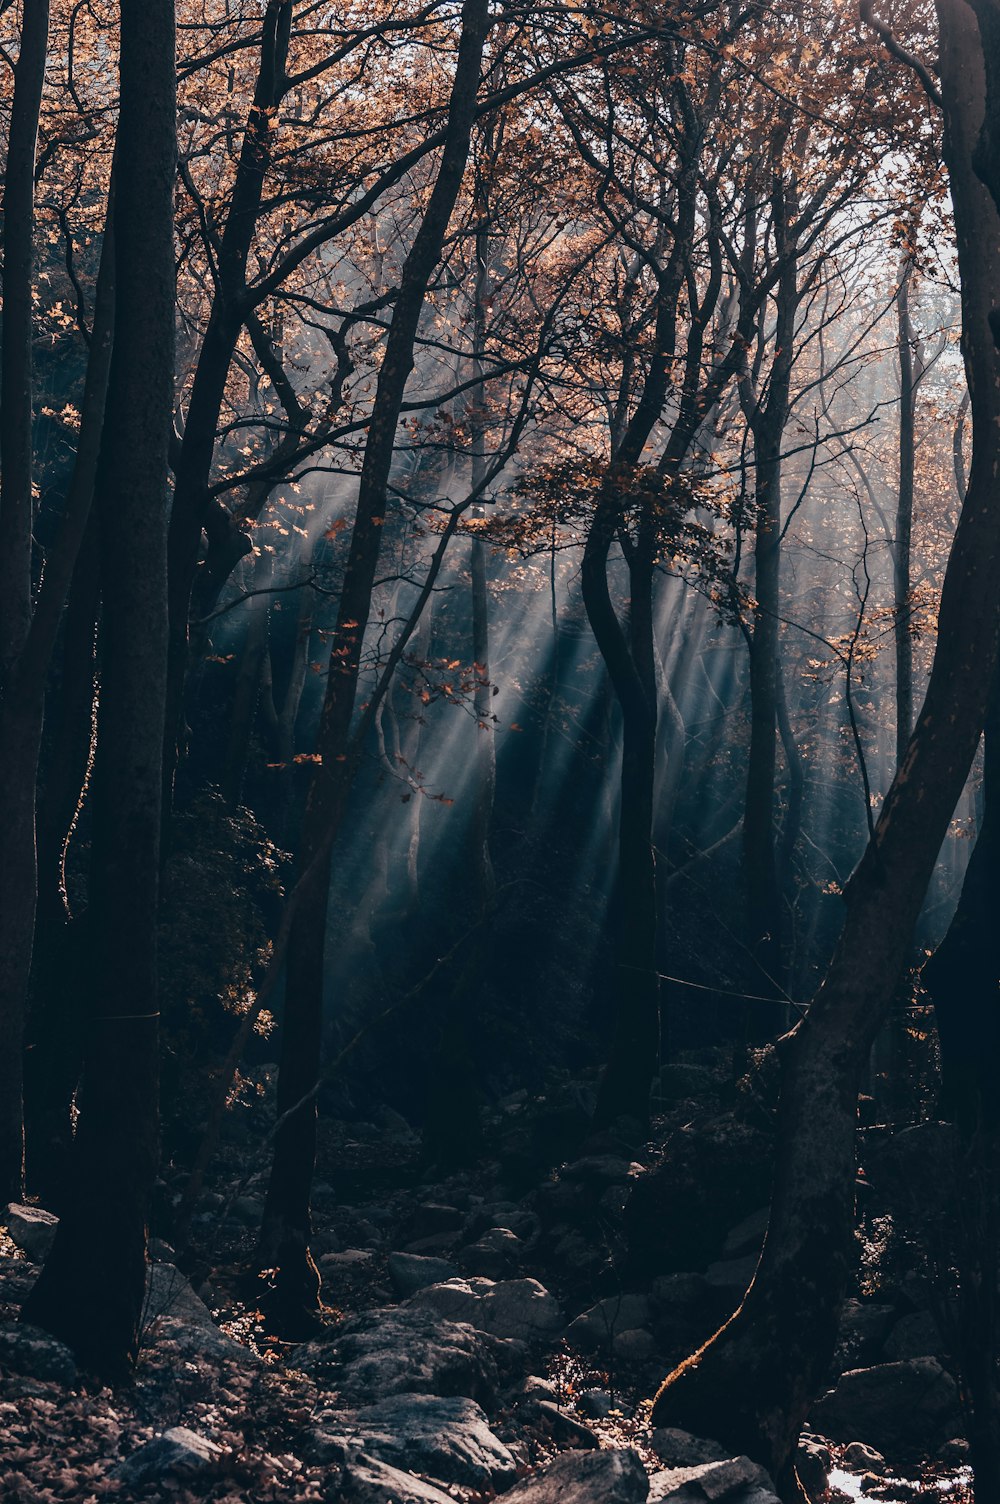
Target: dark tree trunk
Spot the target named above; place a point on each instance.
(961, 981)
(758, 1375)
(284, 1237)
(904, 518)
(91, 1289)
(20, 697)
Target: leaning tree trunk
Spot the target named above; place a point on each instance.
(284, 1236)
(904, 518)
(754, 1380)
(90, 1292)
(961, 981)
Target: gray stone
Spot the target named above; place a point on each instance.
(366, 1480)
(497, 1252)
(393, 1126)
(612, 1477)
(861, 1459)
(732, 1275)
(247, 1210)
(173, 1314)
(862, 1331)
(30, 1351)
(177, 1452)
(954, 1453)
(602, 1170)
(634, 1347)
(599, 1327)
(732, 1479)
(518, 1308)
(406, 1350)
(564, 1428)
(32, 1229)
(915, 1336)
(681, 1449)
(748, 1235)
(812, 1463)
(679, 1081)
(894, 1407)
(449, 1439)
(595, 1404)
(410, 1272)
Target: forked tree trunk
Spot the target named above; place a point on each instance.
(90, 1292)
(752, 1383)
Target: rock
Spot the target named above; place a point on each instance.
(177, 1452)
(862, 1331)
(449, 1439)
(747, 1236)
(681, 1449)
(612, 1477)
(393, 1126)
(565, 1429)
(247, 1210)
(32, 1229)
(366, 1480)
(737, 1479)
(680, 1213)
(173, 1314)
(678, 1081)
(732, 1275)
(406, 1350)
(595, 1404)
(16, 1278)
(29, 1350)
(954, 1453)
(498, 1252)
(915, 1336)
(812, 1463)
(861, 1459)
(601, 1170)
(347, 1258)
(894, 1407)
(634, 1347)
(410, 1272)
(430, 1219)
(518, 1308)
(599, 1328)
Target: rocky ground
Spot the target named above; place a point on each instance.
(495, 1330)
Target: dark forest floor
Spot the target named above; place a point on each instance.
(495, 1328)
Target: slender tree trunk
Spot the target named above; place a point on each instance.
(753, 1382)
(91, 1289)
(904, 518)
(284, 1238)
(20, 700)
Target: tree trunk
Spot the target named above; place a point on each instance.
(285, 1228)
(758, 1375)
(904, 519)
(20, 701)
(90, 1292)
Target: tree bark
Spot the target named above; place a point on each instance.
(758, 1375)
(20, 700)
(284, 1237)
(90, 1292)
(904, 517)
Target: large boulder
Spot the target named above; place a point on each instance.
(366, 1480)
(680, 1213)
(173, 1315)
(904, 1407)
(448, 1439)
(518, 1308)
(410, 1272)
(30, 1351)
(177, 1453)
(612, 1477)
(407, 1350)
(32, 1229)
(736, 1480)
(598, 1329)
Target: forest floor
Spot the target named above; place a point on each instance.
(499, 1328)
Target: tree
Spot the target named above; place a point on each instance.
(762, 1369)
(91, 1289)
